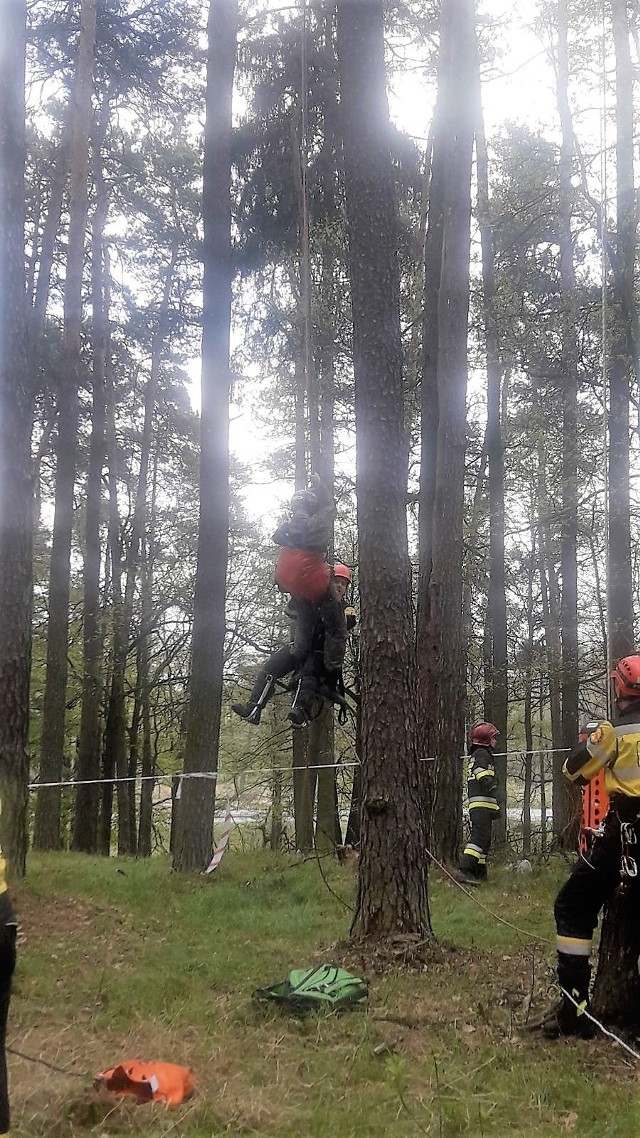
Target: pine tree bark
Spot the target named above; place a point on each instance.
(566, 816)
(195, 833)
(496, 695)
(549, 592)
(46, 828)
(617, 985)
(441, 637)
(619, 581)
(392, 886)
(16, 488)
(87, 802)
(145, 822)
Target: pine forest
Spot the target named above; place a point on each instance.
(247, 243)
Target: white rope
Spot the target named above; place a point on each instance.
(263, 771)
(603, 1029)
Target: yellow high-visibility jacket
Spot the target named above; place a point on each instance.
(614, 750)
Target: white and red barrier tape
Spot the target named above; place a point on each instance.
(222, 842)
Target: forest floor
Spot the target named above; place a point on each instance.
(122, 959)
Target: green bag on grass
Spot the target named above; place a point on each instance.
(306, 989)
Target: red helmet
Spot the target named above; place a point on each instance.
(484, 734)
(626, 678)
(341, 571)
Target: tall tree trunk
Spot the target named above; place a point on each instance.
(194, 839)
(146, 609)
(126, 790)
(304, 791)
(114, 757)
(16, 490)
(85, 824)
(617, 985)
(441, 635)
(326, 308)
(551, 618)
(321, 740)
(392, 885)
(620, 595)
(496, 694)
(567, 804)
(429, 407)
(47, 248)
(46, 829)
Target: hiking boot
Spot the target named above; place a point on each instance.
(562, 1020)
(250, 712)
(466, 878)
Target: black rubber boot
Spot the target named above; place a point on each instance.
(261, 693)
(568, 1017)
(565, 1019)
(302, 703)
(466, 878)
(250, 712)
(298, 717)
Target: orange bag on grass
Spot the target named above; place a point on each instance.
(149, 1082)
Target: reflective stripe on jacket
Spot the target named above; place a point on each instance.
(481, 780)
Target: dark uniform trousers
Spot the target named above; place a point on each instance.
(474, 858)
(592, 881)
(7, 965)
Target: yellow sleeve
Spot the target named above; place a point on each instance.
(588, 760)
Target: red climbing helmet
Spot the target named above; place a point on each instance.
(341, 571)
(484, 734)
(626, 678)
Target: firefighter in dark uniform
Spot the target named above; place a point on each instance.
(483, 804)
(612, 856)
(312, 679)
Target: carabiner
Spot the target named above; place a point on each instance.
(628, 866)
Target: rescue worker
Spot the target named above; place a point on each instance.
(612, 856)
(312, 678)
(482, 785)
(303, 571)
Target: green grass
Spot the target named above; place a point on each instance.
(122, 959)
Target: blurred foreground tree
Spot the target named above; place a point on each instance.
(16, 491)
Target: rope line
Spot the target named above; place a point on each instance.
(603, 1029)
(70, 783)
(501, 920)
(46, 1063)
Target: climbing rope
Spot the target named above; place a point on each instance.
(524, 932)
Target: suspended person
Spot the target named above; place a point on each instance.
(612, 857)
(8, 930)
(313, 680)
(302, 570)
(484, 808)
(304, 656)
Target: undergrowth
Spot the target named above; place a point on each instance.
(123, 959)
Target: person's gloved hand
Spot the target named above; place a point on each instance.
(351, 617)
